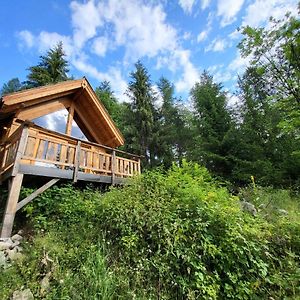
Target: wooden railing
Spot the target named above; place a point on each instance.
(8, 151)
(54, 150)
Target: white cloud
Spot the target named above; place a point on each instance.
(145, 33)
(259, 12)
(204, 33)
(217, 45)
(187, 35)
(234, 35)
(190, 73)
(228, 10)
(100, 45)
(233, 101)
(138, 28)
(159, 98)
(56, 120)
(202, 36)
(205, 4)
(46, 40)
(220, 73)
(238, 64)
(114, 76)
(85, 20)
(187, 5)
(26, 38)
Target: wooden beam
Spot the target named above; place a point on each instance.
(70, 119)
(44, 92)
(139, 166)
(36, 193)
(67, 174)
(45, 171)
(11, 205)
(113, 167)
(76, 162)
(44, 108)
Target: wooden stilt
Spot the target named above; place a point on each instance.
(36, 193)
(11, 205)
(113, 167)
(76, 162)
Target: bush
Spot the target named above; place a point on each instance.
(185, 237)
(173, 235)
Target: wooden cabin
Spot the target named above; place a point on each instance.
(29, 149)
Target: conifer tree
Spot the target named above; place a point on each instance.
(142, 112)
(52, 68)
(13, 85)
(212, 122)
(172, 130)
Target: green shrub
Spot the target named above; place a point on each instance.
(174, 235)
(186, 237)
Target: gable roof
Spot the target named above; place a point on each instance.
(90, 114)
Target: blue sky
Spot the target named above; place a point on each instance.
(103, 39)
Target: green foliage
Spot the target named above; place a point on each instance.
(52, 68)
(172, 131)
(77, 268)
(172, 235)
(257, 146)
(212, 122)
(116, 110)
(142, 117)
(13, 85)
(187, 237)
(61, 205)
(275, 52)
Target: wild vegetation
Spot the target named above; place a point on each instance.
(177, 235)
(178, 231)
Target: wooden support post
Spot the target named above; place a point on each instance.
(70, 119)
(11, 205)
(20, 150)
(113, 167)
(76, 162)
(139, 166)
(36, 193)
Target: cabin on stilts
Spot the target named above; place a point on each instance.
(29, 149)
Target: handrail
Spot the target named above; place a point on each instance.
(13, 136)
(31, 124)
(65, 152)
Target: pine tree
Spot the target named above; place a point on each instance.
(212, 122)
(52, 68)
(11, 86)
(172, 130)
(142, 117)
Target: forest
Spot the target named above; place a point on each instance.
(180, 230)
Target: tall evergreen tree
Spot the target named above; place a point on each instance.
(141, 93)
(212, 123)
(52, 68)
(11, 86)
(172, 130)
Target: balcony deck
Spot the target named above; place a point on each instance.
(34, 150)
